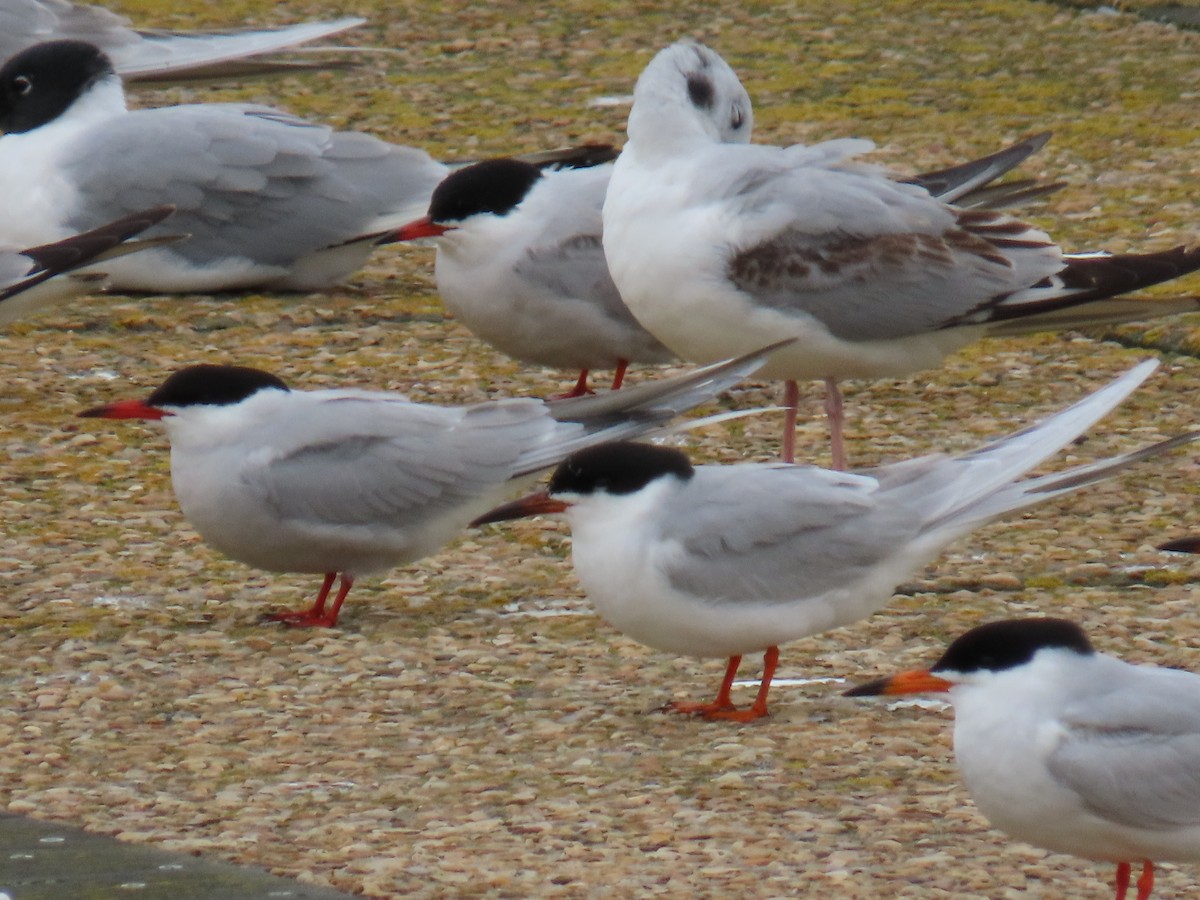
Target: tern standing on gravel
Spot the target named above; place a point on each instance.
(352, 482)
(520, 263)
(1070, 749)
(721, 561)
(719, 246)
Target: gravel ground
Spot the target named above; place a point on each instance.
(472, 729)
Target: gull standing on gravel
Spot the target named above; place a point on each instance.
(721, 561)
(717, 246)
(1069, 749)
(37, 278)
(520, 264)
(352, 482)
(270, 200)
(156, 55)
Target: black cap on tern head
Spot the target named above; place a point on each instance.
(209, 385)
(1010, 643)
(619, 467)
(493, 186)
(41, 82)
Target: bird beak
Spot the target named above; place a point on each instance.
(124, 409)
(917, 681)
(420, 228)
(533, 505)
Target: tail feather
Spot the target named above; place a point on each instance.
(1086, 279)
(964, 488)
(638, 410)
(172, 57)
(1009, 193)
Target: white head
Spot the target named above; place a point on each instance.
(689, 93)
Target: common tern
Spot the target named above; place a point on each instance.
(269, 200)
(520, 264)
(1069, 749)
(160, 56)
(352, 482)
(719, 245)
(721, 561)
(39, 277)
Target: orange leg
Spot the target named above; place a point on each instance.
(1145, 884)
(1122, 880)
(791, 403)
(619, 375)
(834, 412)
(580, 389)
(723, 701)
(758, 709)
(722, 708)
(316, 616)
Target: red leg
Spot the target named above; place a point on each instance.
(316, 617)
(315, 611)
(580, 389)
(1122, 880)
(619, 375)
(1145, 884)
(758, 709)
(833, 410)
(723, 701)
(791, 402)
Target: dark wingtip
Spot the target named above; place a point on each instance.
(1182, 545)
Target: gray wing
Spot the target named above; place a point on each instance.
(27, 22)
(868, 257)
(1133, 754)
(575, 267)
(386, 460)
(773, 532)
(246, 181)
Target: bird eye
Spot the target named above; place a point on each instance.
(736, 120)
(23, 84)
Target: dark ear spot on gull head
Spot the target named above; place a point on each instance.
(209, 385)
(41, 82)
(700, 90)
(494, 186)
(1010, 643)
(618, 467)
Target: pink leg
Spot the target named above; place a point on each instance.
(580, 389)
(1146, 883)
(791, 403)
(833, 410)
(723, 701)
(758, 709)
(619, 376)
(316, 610)
(1122, 880)
(316, 617)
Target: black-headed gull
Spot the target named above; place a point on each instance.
(717, 246)
(1069, 749)
(352, 482)
(160, 56)
(269, 200)
(520, 264)
(35, 278)
(722, 561)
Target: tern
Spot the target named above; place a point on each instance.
(270, 200)
(719, 245)
(350, 482)
(36, 278)
(161, 56)
(1069, 749)
(725, 560)
(520, 263)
